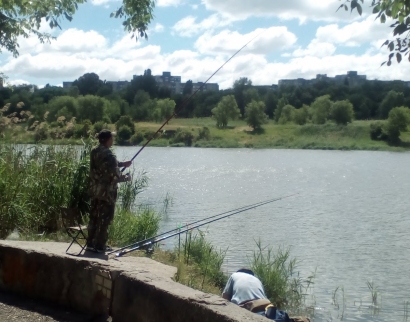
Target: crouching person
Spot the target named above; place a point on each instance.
(246, 290)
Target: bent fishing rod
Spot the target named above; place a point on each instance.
(138, 243)
(186, 101)
(157, 240)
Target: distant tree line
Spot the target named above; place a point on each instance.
(93, 100)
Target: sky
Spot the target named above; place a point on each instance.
(193, 38)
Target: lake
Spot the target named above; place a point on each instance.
(349, 221)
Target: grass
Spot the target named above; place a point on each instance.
(354, 136)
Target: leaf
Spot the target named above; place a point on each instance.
(376, 9)
(401, 28)
(383, 18)
(391, 46)
(385, 43)
(341, 6)
(346, 8)
(391, 55)
(353, 4)
(398, 57)
(359, 9)
(383, 63)
(389, 63)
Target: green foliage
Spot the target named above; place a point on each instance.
(301, 115)
(398, 120)
(183, 136)
(83, 130)
(137, 138)
(34, 184)
(62, 106)
(377, 132)
(91, 108)
(207, 262)
(99, 126)
(227, 109)
(277, 271)
(127, 121)
(124, 133)
(22, 18)
(287, 114)
(278, 111)
(129, 227)
(163, 110)
(342, 112)
(398, 10)
(391, 100)
(320, 109)
(255, 115)
(204, 134)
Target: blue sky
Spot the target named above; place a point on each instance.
(192, 38)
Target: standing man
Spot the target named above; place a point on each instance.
(104, 178)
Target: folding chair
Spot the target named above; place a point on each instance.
(71, 219)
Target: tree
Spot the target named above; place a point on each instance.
(165, 109)
(124, 133)
(91, 108)
(320, 109)
(287, 115)
(23, 18)
(255, 114)
(89, 84)
(398, 10)
(239, 87)
(342, 112)
(188, 88)
(226, 109)
(301, 115)
(278, 111)
(391, 100)
(398, 121)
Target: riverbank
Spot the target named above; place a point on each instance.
(202, 132)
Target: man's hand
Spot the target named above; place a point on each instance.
(126, 164)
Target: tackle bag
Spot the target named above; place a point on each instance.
(273, 313)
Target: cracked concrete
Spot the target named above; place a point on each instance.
(127, 288)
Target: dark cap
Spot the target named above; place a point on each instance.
(104, 135)
(245, 270)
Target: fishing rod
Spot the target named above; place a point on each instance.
(189, 224)
(152, 242)
(186, 101)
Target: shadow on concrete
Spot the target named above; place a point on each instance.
(15, 308)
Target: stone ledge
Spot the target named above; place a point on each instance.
(127, 288)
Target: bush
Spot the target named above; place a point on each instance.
(99, 126)
(204, 134)
(183, 136)
(376, 131)
(399, 119)
(82, 130)
(342, 112)
(124, 134)
(41, 132)
(301, 115)
(137, 138)
(125, 120)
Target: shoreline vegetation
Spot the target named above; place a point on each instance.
(202, 132)
(36, 183)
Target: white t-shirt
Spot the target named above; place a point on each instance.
(243, 287)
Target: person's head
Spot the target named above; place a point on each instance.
(106, 138)
(245, 270)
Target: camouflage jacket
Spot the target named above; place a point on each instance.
(104, 174)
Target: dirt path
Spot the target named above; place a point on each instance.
(13, 308)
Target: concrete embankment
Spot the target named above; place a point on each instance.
(126, 288)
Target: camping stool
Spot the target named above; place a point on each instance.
(71, 219)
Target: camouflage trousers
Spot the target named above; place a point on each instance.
(101, 216)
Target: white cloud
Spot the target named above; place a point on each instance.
(158, 28)
(169, 3)
(316, 49)
(188, 27)
(303, 10)
(102, 2)
(263, 41)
